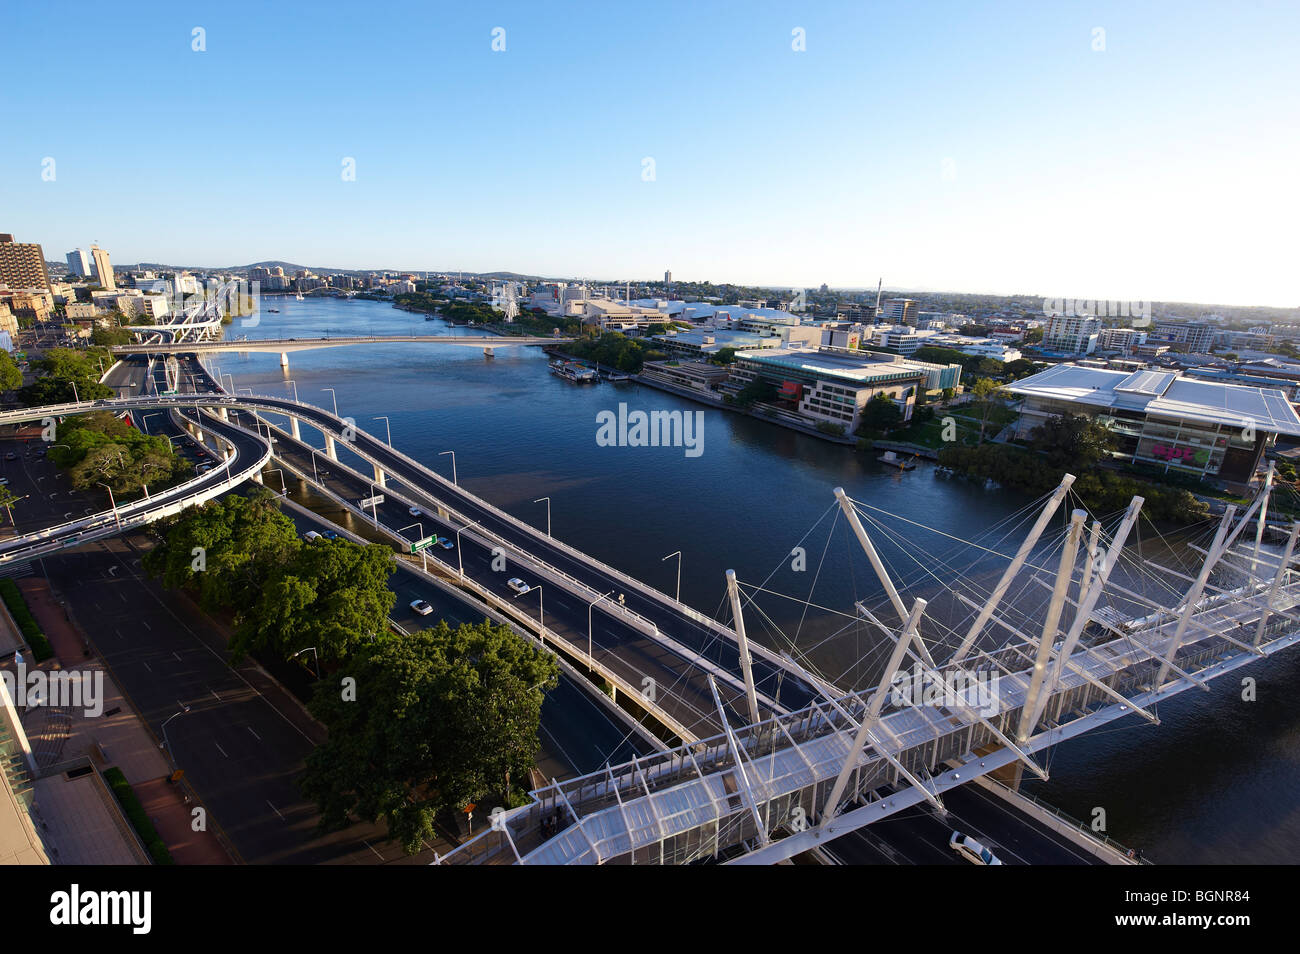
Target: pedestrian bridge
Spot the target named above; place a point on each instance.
(764, 792)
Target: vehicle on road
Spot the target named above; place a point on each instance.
(445, 543)
(422, 607)
(331, 534)
(972, 850)
(518, 585)
(415, 512)
(311, 536)
(11, 456)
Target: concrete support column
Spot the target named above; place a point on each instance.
(227, 451)
(293, 429)
(223, 413)
(379, 476)
(330, 452)
(257, 478)
(284, 359)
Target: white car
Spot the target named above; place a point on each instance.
(416, 512)
(421, 607)
(518, 585)
(972, 850)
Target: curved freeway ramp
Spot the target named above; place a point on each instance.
(250, 453)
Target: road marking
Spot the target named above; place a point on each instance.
(145, 664)
(250, 729)
(221, 750)
(145, 624)
(277, 811)
(372, 848)
(214, 693)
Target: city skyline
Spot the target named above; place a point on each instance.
(1000, 150)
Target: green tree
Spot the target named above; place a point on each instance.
(331, 594)
(759, 389)
(988, 395)
(10, 377)
(7, 500)
(224, 549)
(100, 448)
(441, 719)
(879, 415)
(66, 375)
(1073, 442)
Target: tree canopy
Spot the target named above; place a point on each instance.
(880, 414)
(286, 595)
(100, 448)
(66, 375)
(440, 719)
(1073, 442)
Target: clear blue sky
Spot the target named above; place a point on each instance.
(939, 145)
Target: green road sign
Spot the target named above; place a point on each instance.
(424, 544)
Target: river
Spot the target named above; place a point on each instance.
(1215, 783)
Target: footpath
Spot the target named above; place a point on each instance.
(120, 737)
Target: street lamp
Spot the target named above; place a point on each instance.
(374, 508)
(231, 378)
(678, 554)
(453, 463)
(315, 656)
(460, 560)
(548, 512)
(112, 503)
(589, 612)
(424, 554)
(335, 398)
(163, 745)
(295, 390)
(387, 428)
(283, 489)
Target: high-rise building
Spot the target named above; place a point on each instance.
(79, 263)
(103, 268)
(668, 278)
(900, 311)
(1071, 334)
(22, 264)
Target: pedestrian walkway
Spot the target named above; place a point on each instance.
(119, 737)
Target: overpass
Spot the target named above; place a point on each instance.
(284, 346)
(684, 648)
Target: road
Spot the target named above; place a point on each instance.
(919, 836)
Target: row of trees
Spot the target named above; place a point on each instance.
(1075, 444)
(418, 724)
(615, 350)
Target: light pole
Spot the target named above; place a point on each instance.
(314, 476)
(548, 512)
(388, 429)
(453, 463)
(335, 398)
(541, 611)
(589, 613)
(112, 503)
(374, 506)
(424, 553)
(460, 560)
(144, 421)
(283, 489)
(164, 745)
(678, 554)
(76, 397)
(231, 379)
(315, 657)
(295, 390)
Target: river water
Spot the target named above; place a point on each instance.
(1217, 782)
